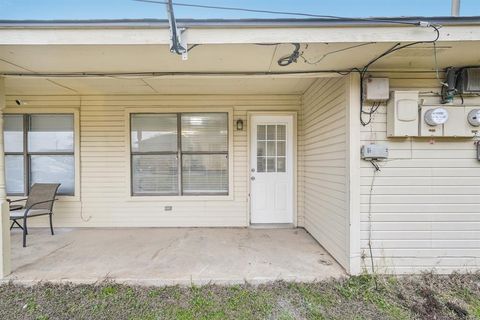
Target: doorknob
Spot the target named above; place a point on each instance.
(252, 178)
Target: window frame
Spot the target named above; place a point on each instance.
(25, 112)
(178, 196)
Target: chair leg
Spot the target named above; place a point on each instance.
(15, 222)
(24, 232)
(51, 224)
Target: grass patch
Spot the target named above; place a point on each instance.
(427, 296)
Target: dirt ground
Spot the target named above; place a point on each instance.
(427, 296)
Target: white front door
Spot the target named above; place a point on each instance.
(271, 169)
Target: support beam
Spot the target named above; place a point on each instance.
(353, 172)
(5, 266)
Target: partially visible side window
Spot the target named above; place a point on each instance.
(39, 148)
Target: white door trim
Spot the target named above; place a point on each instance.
(250, 114)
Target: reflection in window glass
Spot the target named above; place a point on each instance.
(54, 169)
(154, 132)
(50, 133)
(205, 174)
(204, 132)
(13, 133)
(154, 174)
(14, 174)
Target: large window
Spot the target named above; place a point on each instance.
(179, 154)
(39, 148)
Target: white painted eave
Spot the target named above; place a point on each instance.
(147, 35)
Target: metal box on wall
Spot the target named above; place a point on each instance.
(447, 121)
(402, 114)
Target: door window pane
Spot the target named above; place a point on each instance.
(205, 173)
(261, 148)
(281, 132)
(54, 169)
(281, 148)
(14, 174)
(261, 132)
(205, 132)
(271, 148)
(271, 132)
(154, 174)
(13, 133)
(271, 165)
(261, 164)
(154, 132)
(50, 133)
(281, 165)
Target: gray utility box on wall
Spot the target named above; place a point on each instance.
(374, 151)
(402, 114)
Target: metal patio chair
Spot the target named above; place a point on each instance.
(39, 203)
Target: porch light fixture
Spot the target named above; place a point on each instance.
(239, 124)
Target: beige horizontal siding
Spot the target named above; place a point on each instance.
(324, 165)
(104, 200)
(425, 208)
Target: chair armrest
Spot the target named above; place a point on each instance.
(10, 201)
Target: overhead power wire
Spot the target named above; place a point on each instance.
(363, 71)
(281, 12)
(332, 52)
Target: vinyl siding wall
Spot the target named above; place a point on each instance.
(104, 193)
(323, 145)
(425, 205)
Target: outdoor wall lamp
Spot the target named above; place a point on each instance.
(239, 124)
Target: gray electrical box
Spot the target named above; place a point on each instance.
(376, 89)
(402, 114)
(374, 152)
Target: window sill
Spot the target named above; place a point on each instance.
(178, 198)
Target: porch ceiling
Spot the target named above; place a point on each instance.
(222, 59)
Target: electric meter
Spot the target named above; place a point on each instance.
(474, 117)
(437, 116)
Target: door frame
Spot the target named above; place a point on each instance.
(294, 114)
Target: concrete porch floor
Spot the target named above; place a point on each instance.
(166, 256)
